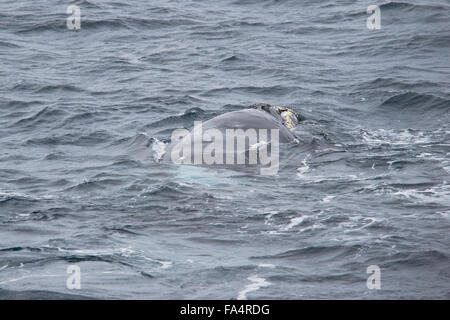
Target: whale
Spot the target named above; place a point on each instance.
(235, 138)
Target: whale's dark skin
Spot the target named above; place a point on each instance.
(258, 116)
(249, 118)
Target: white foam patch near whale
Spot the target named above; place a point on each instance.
(256, 284)
(258, 145)
(303, 169)
(266, 265)
(192, 174)
(328, 198)
(164, 264)
(294, 222)
(126, 252)
(394, 137)
(158, 149)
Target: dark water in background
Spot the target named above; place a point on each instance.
(85, 113)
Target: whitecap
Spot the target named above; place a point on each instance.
(256, 284)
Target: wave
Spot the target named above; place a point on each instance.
(324, 252)
(399, 84)
(183, 120)
(45, 115)
(170, 190)
(57, 23)
(58, 87)
(8, 44)
(416, 102)
(391, 11)
(39, 295)
(8, 197)
(84, 118)
(427, 41)
(417, 259)
(267, 90)
(99, 184)
(90, 139)
(393, 5)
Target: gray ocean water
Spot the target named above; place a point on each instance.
(86, 115)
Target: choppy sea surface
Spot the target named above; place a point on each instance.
(86, 115)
